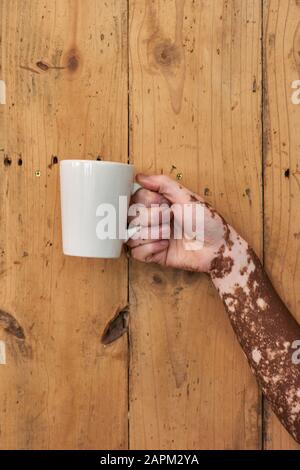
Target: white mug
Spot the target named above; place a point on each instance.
(86, 187)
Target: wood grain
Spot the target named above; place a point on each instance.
(195, 101)
(282, 173)
(195, 104)
(65, 67)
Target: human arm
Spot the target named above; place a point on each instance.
(264, 327)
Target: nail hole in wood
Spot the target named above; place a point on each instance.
(7, 161)
(41, 65)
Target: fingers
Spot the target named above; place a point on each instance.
(168, 188)
(151, 252)
(147, 198)
(144, 198)
(149, 234)
(143, 216)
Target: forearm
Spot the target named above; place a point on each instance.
(264, 327)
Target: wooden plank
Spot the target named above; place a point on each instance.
(282, 182)
(65, 67)
(195, 103)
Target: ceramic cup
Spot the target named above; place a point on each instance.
(89, 190)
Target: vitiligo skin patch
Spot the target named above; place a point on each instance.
(264, 327)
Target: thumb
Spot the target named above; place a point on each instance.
(169, 188)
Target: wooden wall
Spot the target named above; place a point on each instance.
(65, 68)
(197, 89)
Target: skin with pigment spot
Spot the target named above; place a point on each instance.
(265, 328)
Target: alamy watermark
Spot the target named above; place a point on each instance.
(296, 94)
(296, 353)
(178, 221)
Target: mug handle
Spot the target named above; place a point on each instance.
(133, 230)
(135, 188)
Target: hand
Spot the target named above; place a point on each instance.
(165, 249)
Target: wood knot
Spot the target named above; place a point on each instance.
(116, 327)
(167, 53)
(73, 60)
(11, 325)
(157, 279)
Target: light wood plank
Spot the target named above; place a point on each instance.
(195, 103)
(65, 66)
(282, 174)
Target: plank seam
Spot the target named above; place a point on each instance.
(128, 261)
(263, 71)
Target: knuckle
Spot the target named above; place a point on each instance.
(140, 196)
(151, 198)
(137, 254)
(133, 254)
(164, 178)
(149, 258)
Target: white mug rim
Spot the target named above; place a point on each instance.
(95, 162)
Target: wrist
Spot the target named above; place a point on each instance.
(232, 262)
